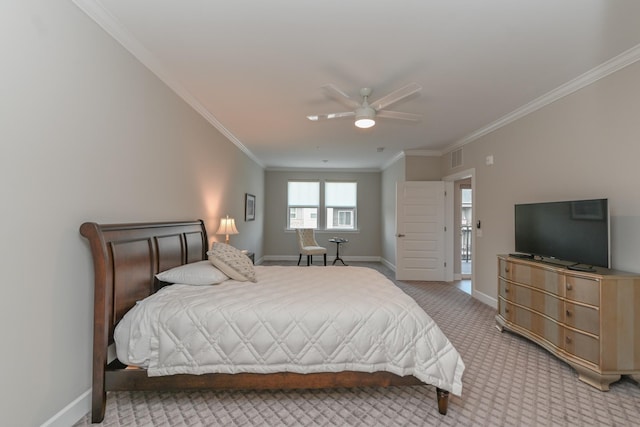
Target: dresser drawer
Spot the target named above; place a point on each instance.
(580, 317)
(505, 309)
(535, 299)
(583, 290)
(541, 278)
(582, 346)
(537, 324)
(503, 288)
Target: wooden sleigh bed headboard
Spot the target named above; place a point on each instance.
(126, 258)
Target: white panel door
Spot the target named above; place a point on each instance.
(420, 235)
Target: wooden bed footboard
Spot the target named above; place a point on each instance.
(126, 258)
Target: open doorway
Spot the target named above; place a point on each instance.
(462, 243)
(466, 227)
(463, 234)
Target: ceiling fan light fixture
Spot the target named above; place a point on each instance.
(365, 117)
(365, 113)
(365, 123)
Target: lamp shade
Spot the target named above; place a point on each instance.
(227, 226)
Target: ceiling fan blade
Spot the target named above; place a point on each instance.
(396, 96)
(341, 96)
(316, 117)
(399, 115)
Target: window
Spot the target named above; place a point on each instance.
(340, 203)
(306, 202)
(345, 219)
(303, 203)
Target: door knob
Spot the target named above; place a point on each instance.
(400, 235)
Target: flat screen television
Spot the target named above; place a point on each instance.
(575, 231)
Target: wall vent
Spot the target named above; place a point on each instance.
(456, 158)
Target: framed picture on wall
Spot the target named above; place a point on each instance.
(249, 207)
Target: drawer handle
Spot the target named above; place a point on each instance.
(568, 340)
(506, 269)
(569, 287)
(568, 313)
(506, 310)
(506, 290)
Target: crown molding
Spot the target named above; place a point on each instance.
(423, 153)
(605, 69)
(321, 170)
(392, 160)
(96, 11)
(405, 153)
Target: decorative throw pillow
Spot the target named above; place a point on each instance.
(196, 273)
(232, 262)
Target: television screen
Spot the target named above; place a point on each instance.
(575, 231)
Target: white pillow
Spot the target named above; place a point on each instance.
(196, 273)
(232, 262)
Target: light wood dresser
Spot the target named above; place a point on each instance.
(589, 320)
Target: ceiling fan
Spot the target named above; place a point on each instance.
(366, 112)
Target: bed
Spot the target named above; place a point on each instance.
(128, 257)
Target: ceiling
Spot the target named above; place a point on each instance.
(255, 69)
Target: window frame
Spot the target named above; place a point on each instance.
(322, 212)
(318, 207)
(340, 208)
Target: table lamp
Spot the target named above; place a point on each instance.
(227, 226)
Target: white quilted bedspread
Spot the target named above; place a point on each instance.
(294, 319)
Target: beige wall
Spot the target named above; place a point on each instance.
(364, 243)
(586, 145)
(422, 168)
(88, 133)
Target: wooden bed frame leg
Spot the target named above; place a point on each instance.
(443, 400)
(98, 406)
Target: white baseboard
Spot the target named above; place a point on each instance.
(71, 414)
(486, 299)
(388, 264)
(279, 258)
(358, 258)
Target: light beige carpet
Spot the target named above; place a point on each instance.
(508, 382)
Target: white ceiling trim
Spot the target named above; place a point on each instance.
(334, 170)
(110, 24)
(423, 153)
(402, 154)
(392, 160)
(609, 67)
